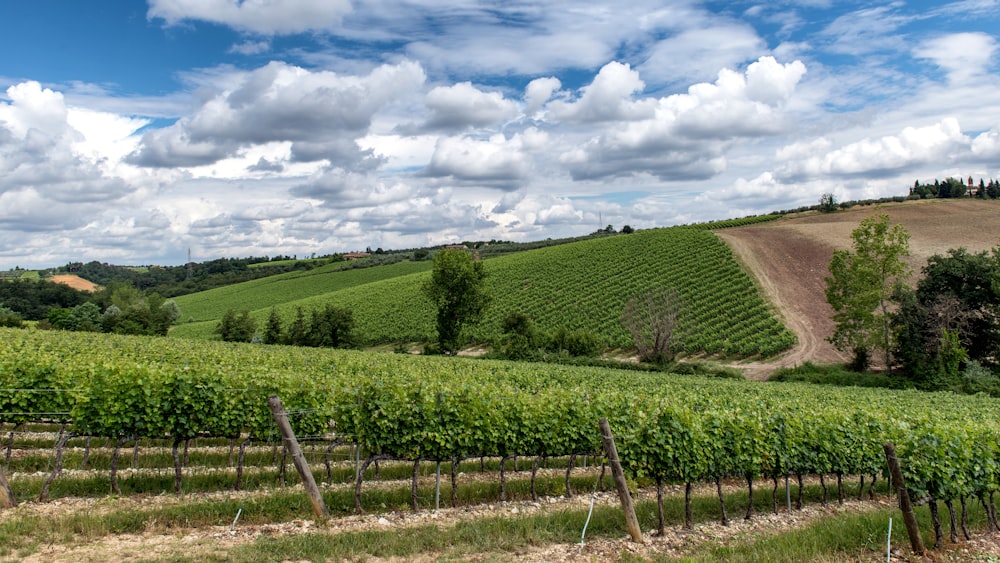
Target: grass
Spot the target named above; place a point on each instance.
(499, 535)
(848, 536)
(843, 537)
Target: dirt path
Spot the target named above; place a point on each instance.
(789, 268)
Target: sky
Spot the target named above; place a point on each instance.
(138, 132)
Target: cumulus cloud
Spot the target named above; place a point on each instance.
(42, 154)
(685, 136)
(320, 113)
(499, 162)
(962, 56)
(607, 98)
(986, 145)
(539, 91)
(259, 16)
(694, 54)
(876, 156)
(341, 189)
(463, 105)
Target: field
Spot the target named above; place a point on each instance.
(419, 415)
(577, 286)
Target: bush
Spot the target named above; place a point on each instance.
(9, 318)
(580, 342)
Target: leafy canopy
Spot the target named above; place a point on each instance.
(456, 288)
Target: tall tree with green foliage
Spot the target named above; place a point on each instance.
(457, 290)
(861, 286)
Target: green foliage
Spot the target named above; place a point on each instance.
(520, 341)
(580, 342)
(456, 290)
(331, 327)
(31, 299)
(653, 320)
(412, 407)
(272, 334)
(861, 284)
(837, 375)
(284, 290)
(236, 326)
(10, 318)
(827, 203)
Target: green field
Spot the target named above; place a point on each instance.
(264, 293)
(577, 286)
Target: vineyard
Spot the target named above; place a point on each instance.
(407, 412)
(582, 285)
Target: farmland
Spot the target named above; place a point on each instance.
(582, 285)
(418, 414)
(477, 459)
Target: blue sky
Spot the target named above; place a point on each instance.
(132, 131)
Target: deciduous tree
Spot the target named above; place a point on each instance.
(861, 286)
(457, 290)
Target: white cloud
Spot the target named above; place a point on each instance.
(877, 156)
(259, 16)
(321, 113)
(963, 56)
(686, 135)
(497, 162)
(539, 91)
(607, 98)
(45, 156)
(251, 47)
(697, 53)
(986, 145)
(463, 105)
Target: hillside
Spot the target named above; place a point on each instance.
(790, 258)
(577, 286)
(280, 289)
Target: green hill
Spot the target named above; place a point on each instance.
(266, 292)
(577, 286)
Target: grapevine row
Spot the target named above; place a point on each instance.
(418, 408)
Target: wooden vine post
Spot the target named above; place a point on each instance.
(909, 517)
(7, 499)
(631, 522)
(301, 465)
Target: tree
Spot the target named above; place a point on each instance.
(236, 326)
(519, 340)
(332, 327)
(953, 316)
(861, 286)
(827, 203)
(298, 331)
(652, 320)
(272, 335)
(456, 289)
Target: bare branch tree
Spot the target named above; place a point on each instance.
(652, 320)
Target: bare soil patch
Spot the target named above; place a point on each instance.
(790, 259)
(76, 282)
